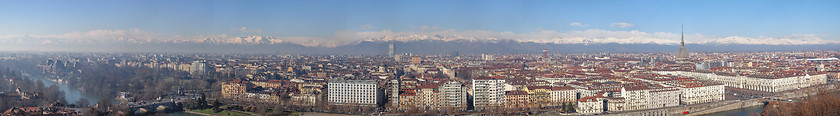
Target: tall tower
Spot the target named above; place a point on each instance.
(682, 54)
(391, 49)
(545, 53)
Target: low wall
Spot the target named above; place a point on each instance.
(736, 105)
(697, 109)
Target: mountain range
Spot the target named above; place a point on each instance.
(419, 45)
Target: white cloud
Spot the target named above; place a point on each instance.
(425, 27)
(346, 37)
(794, 39)
(592, 36)
(367, 27)
(246, 30)
(622, 25)
(577, 24)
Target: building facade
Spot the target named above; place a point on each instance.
(696, 94)
(488, 92)
(590, 105)
(560, 95)
(352, 92)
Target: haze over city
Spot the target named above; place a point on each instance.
(189, 26)
(396, 58)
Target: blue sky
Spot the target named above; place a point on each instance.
(323, 18)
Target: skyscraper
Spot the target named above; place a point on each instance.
(682, 54)
(199, 68)
(391, 49)
(545, 53)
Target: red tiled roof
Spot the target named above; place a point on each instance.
(516, 93)
(562, 88)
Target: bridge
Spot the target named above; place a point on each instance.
(163, 105)
(155, 106)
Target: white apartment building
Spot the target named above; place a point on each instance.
(695, 94)
(352, 92)
(635, 98)
(590, 105)
(488, 92)
(452, 95)
(664, 97)
(561, 95)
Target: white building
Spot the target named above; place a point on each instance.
(199, 68)
(753, 83)
(352, 92)
(696, 94)
(488, 92)
(664, 97)
(635, 98)
(561, 95)
(590, 105)
(452, 95)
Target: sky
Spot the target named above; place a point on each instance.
(328, 23)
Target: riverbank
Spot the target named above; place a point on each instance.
(729, 107)
(71, 94)
(747, 111)
(210, 112)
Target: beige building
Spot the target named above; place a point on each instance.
(516, 99)
(664, 97)
(615, 104)
(234, 89)
(539, 96)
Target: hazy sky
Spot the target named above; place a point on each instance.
(323, 19)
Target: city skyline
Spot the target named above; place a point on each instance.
(341, 23)
(465, 57)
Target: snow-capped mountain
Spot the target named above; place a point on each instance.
(244, 40)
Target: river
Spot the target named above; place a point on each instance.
(71, 94)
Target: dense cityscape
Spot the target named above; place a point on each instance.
(403, 83)
(419, 58)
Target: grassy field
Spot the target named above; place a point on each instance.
(222, 113)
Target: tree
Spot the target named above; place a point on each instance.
(82, 102)
(570, 108)
(826, 102)
(104, 103)
(216, 105)
(564, 106)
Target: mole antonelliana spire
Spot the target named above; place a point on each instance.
(682, 54)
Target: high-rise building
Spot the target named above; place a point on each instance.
(545, 53)
(416, 59)
(682, 54)
(488, 92)
(487, 57)
(199, 68)
(352, 92)
(391, 49)
(452, 95)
